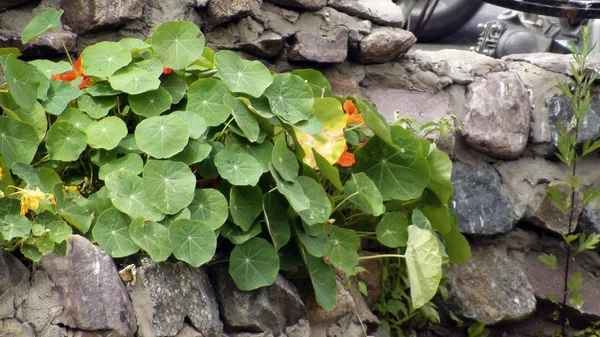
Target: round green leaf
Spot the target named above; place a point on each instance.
(253, 264)
(261, 152)
(291, 190)
(249, 77)
(457, 246)
(111, 232)
(18, 141)
(342, 248)
(196, 123)
(104, 58)
(285, 161)
(205, 97)
(22, 81)
(127, 195)
(151, 103)
(14, 226)
(77, 118)
(238, 168)
(245, 204)
(50, 68)
(59, 231)
(59, 96)
(162, 136)
(243, 118)
(319, 208)
(290, 98)
(175, 85)
(31, 252)
(151, 65)
(366, 196)
(100, 157)
(194, 152)
(96, 107)
(392, 230)
(152, 237)
(133, 80)
(128, 145)
(314, 245)
(177, 43)
(65, 141)
(317, 82)
(209, 207)
(236, 235)
(168, 185)
(128, 163)
(41, 24)
(36, 116)
(101, 90)
(106, 133)
(277, 221)
(424, 265)
(133, 44)
(192, 241)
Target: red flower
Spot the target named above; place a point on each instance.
(346, 159)
(72, 75)
(352, 114)
(167, 70)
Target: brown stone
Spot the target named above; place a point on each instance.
(332, 48)
(89, 15)
(372, 277)
(384, 44)
(549, 217)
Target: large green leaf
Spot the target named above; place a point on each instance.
(127, 195)
(168, 185)
(206, 97)
(277, 221)
(318, 83)
(133, 80)
(290, 98)
(243, 118)
(175, 85)
(104, 58)
(18, 141)
(210, 207)
(152, 237)
(374, 120)
(315, 245)
(162, 136)
(284, 161)
(424, 265)
(106, 133)
(192, 241)
(195, 122)
(323, 280)
(398, 174)
(261, 152)
(328, 171)
(366, 195)
(238, 168)
(65, 141)
(96, 107)
(130, 162)
(40, 24)
(59, 231)
(151, 65)
(194, 152)
(457, 246)
(22, 81)
(319, 208)
(249, 77)
(236, 235)
(111, 232)
(245, 204)
(392, 230)
(133, 44)
(177, 43)
(59, 96)
(253, 264)
(75, 117)
(36, 116)
(16, 226)
(440, 166)
(438, 216)
(342, 248)
(50, 68)
(150, 103)
(292, 190)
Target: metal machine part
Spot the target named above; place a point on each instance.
(501, 38)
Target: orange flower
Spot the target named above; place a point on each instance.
(352, 114)
(346, 159)
(72, 75)
(167, 70)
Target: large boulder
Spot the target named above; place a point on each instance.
(323, 49)
(490, 288)
(221, 11)
(384, 44)
(91, 292)
(497, 118)
(383, 12)
(13, 274)
(89, 15)
(44, 45)
(167, 293)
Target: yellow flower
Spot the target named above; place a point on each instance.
(72, 188)
(30, 199)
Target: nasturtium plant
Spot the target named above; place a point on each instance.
(166, 148)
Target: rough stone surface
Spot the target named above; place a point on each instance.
(481, 205)
(40, 304)
(342, 82)
(47, 44)
(547, 216)
(317, 315)
(311, 5)
(490, 287)
(498, 115)
(558, 63)
(269, 309)
(13, 328)
(91, 292)
(12, 274)
(327, 20)
(267, 46)
(384, 12)
(421, 106)
(6, 4)
(166, 293)
(384, 44)
(560, 112)
(221, 11)
(89, 15)
(589, 220)
(323, 49)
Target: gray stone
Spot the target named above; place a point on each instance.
(547, 216)
(91, 292)
(421, 106)
(13, 328)
(490, 288)
(481, 205)
(6, 4)
(186, 331)
(384, 44)
(166, 293)
(41, 304)
(589, 220)
(12, 274)
(344, 79)
(316, 314)
(89, 15)
(302, 329)
(269, 309)
(371, 277)
(47, 44)
(251, 334)
(384, 12)
(498, 115)
(155, 13)
(323, 49)
(267, 46)
(311, 5)
(347, 326)
(221, 11)
(561, 113)
(558, 63)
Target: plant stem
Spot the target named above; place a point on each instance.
(344, 201)
(64, 47)
(382, 256)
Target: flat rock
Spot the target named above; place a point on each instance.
(490, 288)
(558, 63)
(269, 309)
(310, 5)
(311, 47)
(167, 293)
(383, 12)
(221, 11)
(498, 115)
(90, 15)
(481, 205)
(44, 45)
(267, 46)
(561, 113)
(384, 44)
(91, 291)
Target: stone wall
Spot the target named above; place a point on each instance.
(506, 116)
